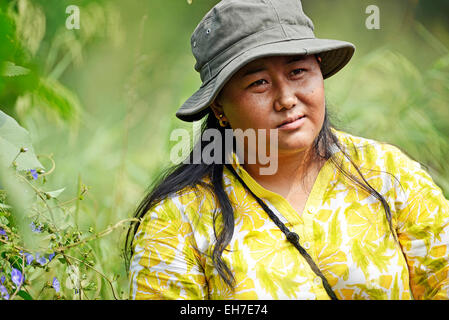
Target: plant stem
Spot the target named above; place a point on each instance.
(23, 280)
(96, 236)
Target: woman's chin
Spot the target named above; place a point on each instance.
(286, 148)
(295, 142)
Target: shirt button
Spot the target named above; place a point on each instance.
(317, 280)
(307, 245)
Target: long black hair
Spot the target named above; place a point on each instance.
(181, 176)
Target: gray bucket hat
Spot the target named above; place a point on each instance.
(236, 32)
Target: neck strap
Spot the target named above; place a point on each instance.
(291, 236)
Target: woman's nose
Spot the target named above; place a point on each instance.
(286, 97)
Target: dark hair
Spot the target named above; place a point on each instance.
(179, 177)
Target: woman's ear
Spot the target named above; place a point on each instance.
(217, 108)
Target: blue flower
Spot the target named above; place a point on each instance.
(2, 279)
(35, 228)
(4, 293)
(34, 174)
(41, 260)
(51, 256)
(16, 277)
(55, 284)
(3, 233)
(29, 257)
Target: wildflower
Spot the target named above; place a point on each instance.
(51, 256)
(55, 284)
(29, 258)
(35, 228)
(3, 233)
(4, 293)
(41, 260)
(34, 174)
(16, 277)
(2, 279)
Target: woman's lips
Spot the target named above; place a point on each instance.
(292, 125)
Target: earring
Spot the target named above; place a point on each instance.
(222, 122)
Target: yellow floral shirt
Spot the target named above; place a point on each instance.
(343, 228)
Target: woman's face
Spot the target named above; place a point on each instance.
(277, 92)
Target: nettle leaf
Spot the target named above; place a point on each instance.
(13, 137)
(10, 69)
(56, 97)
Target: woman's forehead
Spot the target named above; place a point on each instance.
(260, 63)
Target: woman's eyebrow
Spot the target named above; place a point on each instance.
(253, 70)
(295, 58)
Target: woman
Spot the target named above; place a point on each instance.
(342, 217)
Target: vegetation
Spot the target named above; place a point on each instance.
(86, 116)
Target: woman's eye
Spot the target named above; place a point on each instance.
(298, 71)
(258, 83)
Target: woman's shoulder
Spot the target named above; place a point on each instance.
(181, 203)
(382, 154)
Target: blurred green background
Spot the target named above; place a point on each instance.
(102, 99)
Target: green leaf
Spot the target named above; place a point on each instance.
(24, 295)
(56, 97)
(9, 69)
(4, 220)
(56, 193)
(12, 139)
(4, 206)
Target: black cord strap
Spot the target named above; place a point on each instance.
(291, 236)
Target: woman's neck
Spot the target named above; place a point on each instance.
(296, 172)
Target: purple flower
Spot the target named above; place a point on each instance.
(51, 256)
(2, 279)
(34, 174)
(16, 277)
(4, 293)
(41, 260)
(29, 257)
(3, 233)
(55, 284)
(35, 228)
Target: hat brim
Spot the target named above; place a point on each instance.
(335, 54)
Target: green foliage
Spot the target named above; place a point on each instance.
(9, 69)
(15, 141)
(39, 238)
(409, 110)
(121, 94)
